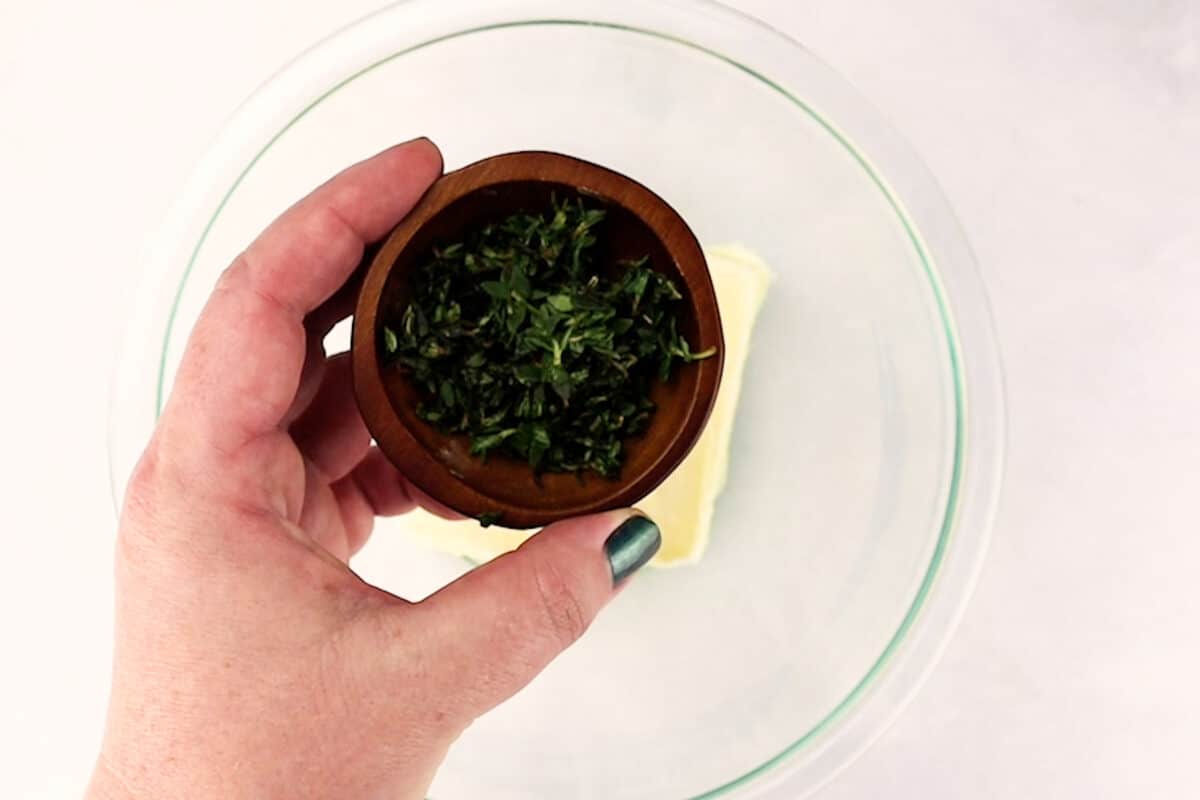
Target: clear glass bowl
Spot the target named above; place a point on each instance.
(867, 450)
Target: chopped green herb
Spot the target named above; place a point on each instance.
(389, 340)
(491, 518)
(523, 339)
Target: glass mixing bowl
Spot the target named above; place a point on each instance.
(867, 450)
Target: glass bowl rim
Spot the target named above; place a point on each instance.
(978, 449)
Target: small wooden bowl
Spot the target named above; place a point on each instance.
(638, 223)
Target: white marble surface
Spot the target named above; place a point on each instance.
(1066, 134)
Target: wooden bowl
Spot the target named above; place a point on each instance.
(638, 223)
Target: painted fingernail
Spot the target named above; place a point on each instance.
(631, 545)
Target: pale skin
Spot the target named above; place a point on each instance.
(250, 660)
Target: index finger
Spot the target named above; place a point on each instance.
(242, 365)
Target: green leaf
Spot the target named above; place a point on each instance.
(485, 443)
(390, 343)
(497, 289)
(519, 281)
(635, 285)
(539, 443)
(559, 381)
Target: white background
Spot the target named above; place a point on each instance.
(1067, 136)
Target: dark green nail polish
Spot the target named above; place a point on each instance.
(631, 545)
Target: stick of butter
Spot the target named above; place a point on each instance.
(683, 505)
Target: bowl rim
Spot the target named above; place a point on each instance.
(422, 466)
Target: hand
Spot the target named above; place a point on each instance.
(251, 662)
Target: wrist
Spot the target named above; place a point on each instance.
(113, 778)
(107, 785)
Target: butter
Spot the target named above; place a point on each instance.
(683, 505)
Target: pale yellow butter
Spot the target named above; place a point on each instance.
(683, 505)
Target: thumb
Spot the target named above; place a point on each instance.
(500, 625)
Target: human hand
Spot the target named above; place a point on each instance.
(250, 661)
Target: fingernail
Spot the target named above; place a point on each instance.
(631, 545)
(421, 140)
